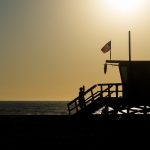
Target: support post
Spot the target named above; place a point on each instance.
(129, 46)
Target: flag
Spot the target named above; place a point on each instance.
(106, 47)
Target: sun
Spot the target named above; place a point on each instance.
(125, 6)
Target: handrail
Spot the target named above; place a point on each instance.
(84, 94)
(104, 90)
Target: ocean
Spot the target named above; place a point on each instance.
(33, 108)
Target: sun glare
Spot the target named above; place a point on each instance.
(125, 6)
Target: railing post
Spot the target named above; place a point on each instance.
(117, 90)
(101, 90)
(109, 94)
(92, 95)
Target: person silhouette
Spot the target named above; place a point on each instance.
(81, 97)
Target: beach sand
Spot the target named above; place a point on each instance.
(45, 132)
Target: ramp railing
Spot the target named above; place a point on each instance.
(96, 92)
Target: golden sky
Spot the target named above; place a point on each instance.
(49, 48)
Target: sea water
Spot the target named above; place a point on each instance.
(33, 108)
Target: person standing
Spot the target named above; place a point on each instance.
(81, 97)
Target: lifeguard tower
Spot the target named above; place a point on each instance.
(131, 96)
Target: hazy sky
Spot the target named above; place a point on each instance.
(49, 48)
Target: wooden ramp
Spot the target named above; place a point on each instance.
(99, 96)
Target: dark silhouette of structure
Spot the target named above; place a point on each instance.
(129, 97)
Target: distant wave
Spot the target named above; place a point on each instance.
(33, 108)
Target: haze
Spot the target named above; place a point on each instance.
(49, 48)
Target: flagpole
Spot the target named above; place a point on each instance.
(110, 54)
(110, 49)
(129, 46)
